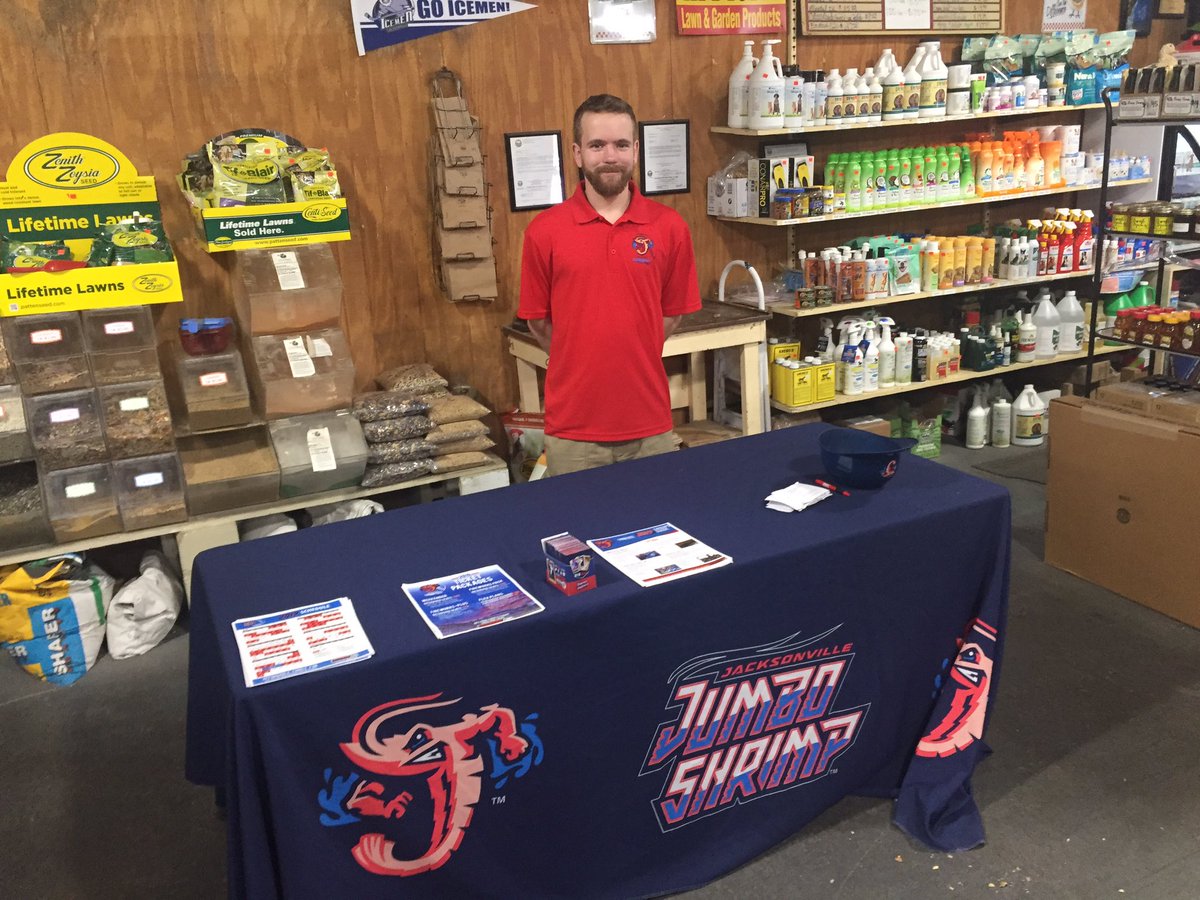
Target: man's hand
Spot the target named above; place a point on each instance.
(540, 329)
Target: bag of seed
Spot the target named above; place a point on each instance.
(379, 405)
(455, 408)
(455, 461)
(399, 429)
(479, 442)
(455, 431)
(416, 378)
(52, 616)
(399, 451)
(390, 473)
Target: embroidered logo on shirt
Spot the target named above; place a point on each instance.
(643, 249)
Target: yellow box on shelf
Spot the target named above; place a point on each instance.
(62, 193)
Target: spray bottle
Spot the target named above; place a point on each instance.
(853, 362)
(739, 85)
(887, 354)
(766, 91)
(904, 361)
(977, 424)
(871, 360)
(826, 349)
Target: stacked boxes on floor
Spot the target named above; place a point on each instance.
(93, 408)
(301, 371)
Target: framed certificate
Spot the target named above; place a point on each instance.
(666, 157)
(535, 169)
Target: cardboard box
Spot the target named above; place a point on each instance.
(1134, 396)
(873, 424)
(924, 424)
(568, 564)
(1113, 515)
(729, 198)
(1180, 407)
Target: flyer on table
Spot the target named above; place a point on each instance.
(658, 554)
(468, 601)
(298, 641)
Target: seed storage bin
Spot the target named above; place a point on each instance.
(47, 352)
(318, 452)
(228, 469)
(303, 372)
(66, 429)
(137, 421)
(8, 374)
(297, 289)
(81, 503)
(121, 344)
(149, 491)
(215, 394)
(22, 512)
(14, 432)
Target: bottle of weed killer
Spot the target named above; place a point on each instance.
(739, 86)
(766, 91)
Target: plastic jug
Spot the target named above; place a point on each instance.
(912, 84)
(1048, 323)
(766, 91)
(895, 97)
(977, 424)
(793, 109)
(933, 82)
(1029, 419)
(1142, 295)
(835, 98)
(1071, 330)
(739, 86)
(886, 64)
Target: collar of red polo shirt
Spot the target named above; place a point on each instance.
(584, 212)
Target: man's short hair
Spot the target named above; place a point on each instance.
(601, 103)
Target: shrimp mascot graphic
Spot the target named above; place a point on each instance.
(396, 741)
(971, 680)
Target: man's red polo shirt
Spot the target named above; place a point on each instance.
(605, 289)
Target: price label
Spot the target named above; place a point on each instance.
(320, 450)
(148, 479)
(123, 327)
(58, 416)
(133, 404)
(287, 270)
(298, 358)
(46, 336)
(212, 379)
(84, 489)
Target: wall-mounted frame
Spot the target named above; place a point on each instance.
(535, 169)
(1170, 9)
(892, 17)
(665, 156)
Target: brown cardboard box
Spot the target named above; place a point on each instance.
(1182, 407)
(1119, 510)
(1134, 396)
(873, 424)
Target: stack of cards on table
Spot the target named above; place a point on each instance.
(796, 497)
(568, 563)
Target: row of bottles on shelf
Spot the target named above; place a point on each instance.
(996, 421)
(867, 357)
(1164, 328)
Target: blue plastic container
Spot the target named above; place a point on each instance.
(861, 459)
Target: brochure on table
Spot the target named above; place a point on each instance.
(67, 186)
(298, 641)
(468, 601)
(659, 554)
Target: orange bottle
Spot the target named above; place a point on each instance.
(1052, 155)
(985, 175)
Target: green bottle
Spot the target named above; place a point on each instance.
(1142, 295)
(854, 183)
(839, 173)
(893, 178)
(967, 177)
(917, 156)
(931, 175)
(906, 190)
(868, 180)
(954, 170)
(880, 179)
(830, 165)
(943, 176)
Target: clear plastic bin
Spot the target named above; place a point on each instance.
(229, 469)
(81, 502)
(47, 352)
(115, 330)
(296, 289)
(23, 520)
(214, 390)
(66, 429)
(303, 372)
(8, 375)
(137, 420)
(15, 442)
(149, 491)
(122, 366)
(319, 452)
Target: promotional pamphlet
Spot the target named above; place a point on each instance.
(468, 601)
(298, 641)
(662, 553)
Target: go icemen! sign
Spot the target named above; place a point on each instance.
(381, 23)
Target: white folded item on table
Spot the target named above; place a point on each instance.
(796, 497)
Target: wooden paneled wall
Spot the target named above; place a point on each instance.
(158, 77)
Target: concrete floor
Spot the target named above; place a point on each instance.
(1093, 790)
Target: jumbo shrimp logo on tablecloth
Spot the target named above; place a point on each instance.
(404, 747)
(961, 723)
(751, 723)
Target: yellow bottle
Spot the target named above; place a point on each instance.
(975, 261)
(945, 265)
(960, 262)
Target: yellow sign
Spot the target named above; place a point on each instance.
(266, 225)
(91, 288)
(70, 168)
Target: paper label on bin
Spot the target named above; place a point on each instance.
(123, 327)
(147, 479)
(64, 415)
(46, 336)
(133, 404)
(318, 347)
(212, 379)
(320, 450)
(287, 270)
(75, 491)
(298, 358)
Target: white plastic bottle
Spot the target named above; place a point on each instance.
(793, 110)
(1027, 334)
(1048, 323)
(875, 89)
(854, 363)
(1071, 328)
(904, 360)
(851, 105)
(912, 84)
(933, 82)
(835, 98)
(1029, 419)
(977, 424)
(887, 354)
(1001, 423)
(766, 91)
(871, 361)
(739, 86)
(820, 101)
(887, 62)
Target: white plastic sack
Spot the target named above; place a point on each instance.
(265, 526)
(144, 610)
(340, 512)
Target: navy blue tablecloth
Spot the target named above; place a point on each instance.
(627, 741)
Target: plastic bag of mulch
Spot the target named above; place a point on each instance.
(52, 615)
(144, 609)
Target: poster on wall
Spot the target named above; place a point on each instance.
(381, 23)
(730, 16)
(622, 21)
(1063, 15)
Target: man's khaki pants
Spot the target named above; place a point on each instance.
(563, 456)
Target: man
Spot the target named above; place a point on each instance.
(605, 278)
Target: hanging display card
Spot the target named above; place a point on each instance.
(381, 23)
(901, 16)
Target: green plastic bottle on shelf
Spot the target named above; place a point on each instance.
(1142, 295)
(967, 178)
(931, 175)
(917, 155)
(854, 183)
(955, 172)
(868, 180)
(839, 174)
(893, 178)
(943, 175)
(880, 179)
(830, 166)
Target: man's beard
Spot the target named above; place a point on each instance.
(608, 187)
